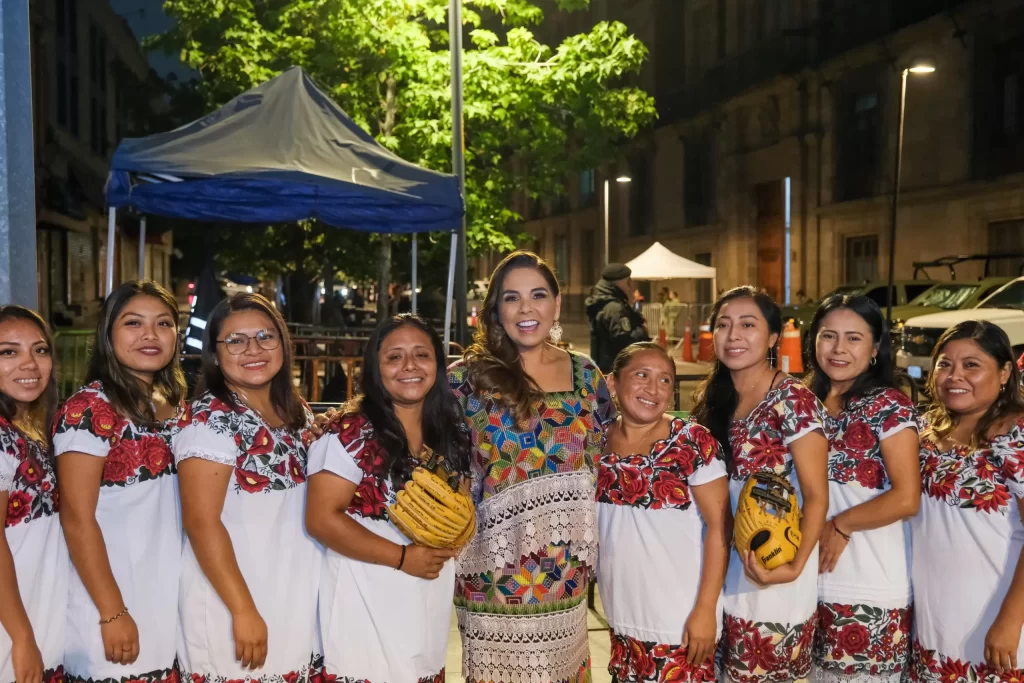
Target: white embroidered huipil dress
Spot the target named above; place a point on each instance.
(378, 624)
(34, 536)
(264, 514)
(140, 518)
(864, 610)
(768, 631)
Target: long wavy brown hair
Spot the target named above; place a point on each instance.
(994, 342)
(493, 358)
(40, 413)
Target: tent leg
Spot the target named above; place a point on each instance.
(111, 234)
(414, 241)
(142, 248)
(451, 293)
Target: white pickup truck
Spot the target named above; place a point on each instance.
(1005, 308)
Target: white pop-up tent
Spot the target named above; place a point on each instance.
(659, 263)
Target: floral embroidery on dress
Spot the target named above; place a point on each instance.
(759, 441)
(855, 455)
(861, 639)
(374, 493)
(269, 459)
(757, 652)
(635, 661)
(658, 480)
(170, 675)
(979, 479)
(136, 454)
(32, 492)
(331, 678)
(54, 675)
(929, 666)
(313, 672)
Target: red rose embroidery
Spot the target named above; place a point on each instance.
(870, 474)
(992, 500)
(670, 490)
(117, 470)
(105, 421)
(196, 678)
(683, 457)
(279, 468)
(860, 437)
(74, 409)
(640, 660)
(156, 456)
(291, 677)
(262, 442)
(854, 638)
(298, 472)
(251, 481)
(28, 472)
(633, 484)
(984, 468)
(953, 670)
(605, 479)
(371, 458)
(766, 453)
(704, 443)
(349, 428)
(368, 500)
(19, 504)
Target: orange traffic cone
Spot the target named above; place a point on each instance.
(472, 318)
(688, 344)
(706, 345)
(662, 338)
(790, 356)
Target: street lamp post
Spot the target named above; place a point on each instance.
(607, 210)
(921, 66)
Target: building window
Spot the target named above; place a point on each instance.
(702, 41)
(698, 183)
(588, 189)
(66, 50)
(562, 259)
(859, 146)
(861, 259)
(640, 195)
(704, 293)
(1000, 113)
(98, 91)
(1006, 237)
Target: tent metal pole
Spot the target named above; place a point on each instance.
(142, 248)
(111, 234)
(414, 241)
(451, 287)
(458, 163)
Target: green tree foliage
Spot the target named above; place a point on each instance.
(386, 62)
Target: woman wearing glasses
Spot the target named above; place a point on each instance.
(250, 572)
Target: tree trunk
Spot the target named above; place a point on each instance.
(383, 277)
(387, 126)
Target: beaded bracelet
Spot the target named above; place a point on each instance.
(117, 616)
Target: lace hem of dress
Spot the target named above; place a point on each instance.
(207, 455)
(819, 675)
(518, 649)
(555, 508)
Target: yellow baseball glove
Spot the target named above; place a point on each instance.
(429, 512)
(768, 520)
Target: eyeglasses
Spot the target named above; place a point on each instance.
(237, 343)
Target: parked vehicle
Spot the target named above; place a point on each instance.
(906, 291)
(1005, 308)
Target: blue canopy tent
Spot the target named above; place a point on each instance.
(281, 152)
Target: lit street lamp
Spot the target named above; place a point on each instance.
(607, 211)
(917, 67)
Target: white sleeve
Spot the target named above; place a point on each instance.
(78, 440)
(199, 441)
(715, 469)
(8, 468)
(327, 454)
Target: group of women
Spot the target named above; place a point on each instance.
(240, 538)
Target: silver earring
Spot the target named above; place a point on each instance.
(874, 360)
(556, 333)
(771, 357)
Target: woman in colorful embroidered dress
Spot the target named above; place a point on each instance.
(118, 493)
(765, 421)
(33, 557)
(250, 572)
(379, 625)
(874, 484)
(536, 415)
(968, 537)
(653, 469)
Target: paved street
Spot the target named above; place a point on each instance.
(599, 648)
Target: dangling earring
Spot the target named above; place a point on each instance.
(556, 333)
(771, 356)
